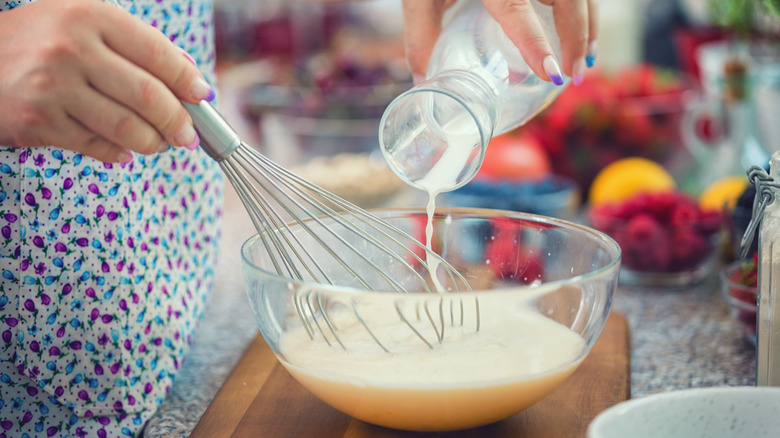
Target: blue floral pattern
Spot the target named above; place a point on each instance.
(104, 269)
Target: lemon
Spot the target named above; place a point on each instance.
(724, 192)
(624, 178)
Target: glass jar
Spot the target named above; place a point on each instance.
(768, 318)
(766, 219)
(434, 136)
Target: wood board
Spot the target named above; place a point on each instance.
(260, 399)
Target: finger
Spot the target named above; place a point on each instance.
(113, 122)
(521, 24)
(152, 51)
(572, 24)
(422, 25)
(593, 26)
(146, 95)
(81, 140)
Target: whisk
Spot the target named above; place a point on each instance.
(369, 253)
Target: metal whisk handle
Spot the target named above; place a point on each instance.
(217, 137)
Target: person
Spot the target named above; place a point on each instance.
(109, 238)
(109, 213)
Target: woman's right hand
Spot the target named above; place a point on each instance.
(87, 76)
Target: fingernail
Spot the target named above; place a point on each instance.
(194, 145)
(578, 71)
(417, 78)
(125, 157)
(590, 57)
(186, 137)
(192, 60)
(201, 90)
(163, 146)
(552, 69)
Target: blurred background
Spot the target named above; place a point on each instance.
(682, 100)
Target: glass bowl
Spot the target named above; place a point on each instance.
(740, 297)
(542, 291)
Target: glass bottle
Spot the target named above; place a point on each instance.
(768, 318)
(477, 86)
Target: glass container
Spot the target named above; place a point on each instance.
(477, 86)
(768, 336)
(766, 219)
(541, 293)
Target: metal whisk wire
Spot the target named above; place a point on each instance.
(327, 226)
(274, 180)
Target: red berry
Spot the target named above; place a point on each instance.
(643, 229)
(684, 215)
(689, 248)
(710, 222)
(658, 204)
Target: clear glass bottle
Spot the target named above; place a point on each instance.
(477, 86)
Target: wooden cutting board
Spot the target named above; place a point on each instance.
(260, 399)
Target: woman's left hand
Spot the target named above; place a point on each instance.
(575, 23)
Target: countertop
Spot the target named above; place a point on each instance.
(679, 338)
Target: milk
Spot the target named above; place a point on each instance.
(443, 176)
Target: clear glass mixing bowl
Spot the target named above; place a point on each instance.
(541, 293)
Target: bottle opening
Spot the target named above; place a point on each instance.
(432, 139)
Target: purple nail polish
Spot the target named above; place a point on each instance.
(552, 69)
(202, 90)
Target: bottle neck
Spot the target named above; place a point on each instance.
(453, 112)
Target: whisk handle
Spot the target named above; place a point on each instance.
(217, 137)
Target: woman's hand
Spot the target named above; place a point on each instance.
(575, 22)
(87, 76)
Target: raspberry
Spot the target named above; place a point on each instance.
(630, 208)
(689, 248)
(660, 231)
(658, 204)
(684, 214)
(643, 229)
(710, 222)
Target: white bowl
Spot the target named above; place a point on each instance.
(729, 412)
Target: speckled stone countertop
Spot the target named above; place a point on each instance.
(679, 339)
